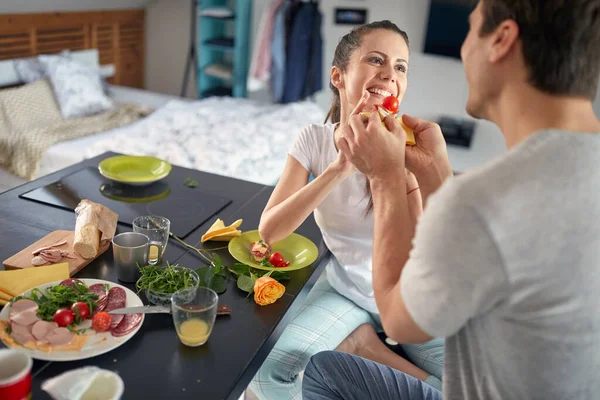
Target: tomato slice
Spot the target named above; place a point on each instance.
(101, 322)
(391, 104)
(284, 264)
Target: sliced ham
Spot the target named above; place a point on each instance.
(41, 329)
(24, 312)
(38, 251)
(59, 336)
(21, 334)
(127, 325)
(38, 260)
(102, 301)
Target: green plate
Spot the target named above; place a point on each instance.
(134, 170)
(296, 249)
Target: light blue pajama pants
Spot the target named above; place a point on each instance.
(323, 322)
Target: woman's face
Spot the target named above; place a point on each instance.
(379, 66)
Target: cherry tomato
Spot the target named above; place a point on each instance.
(284, 264)
(391, 104)
(83, 309)
(276, 259)
(101, 322)
(64, 317)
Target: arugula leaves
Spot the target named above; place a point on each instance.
(57, 297)
(164, 280)
(191, 183)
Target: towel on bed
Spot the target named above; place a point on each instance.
(30, 122)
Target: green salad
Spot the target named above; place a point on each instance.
(165, 279)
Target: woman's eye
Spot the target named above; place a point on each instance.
(401, 68)
(376, 60)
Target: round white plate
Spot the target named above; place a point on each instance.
(98, 343)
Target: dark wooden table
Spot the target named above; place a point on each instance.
(154, 364)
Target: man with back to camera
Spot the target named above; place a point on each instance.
(505, 261)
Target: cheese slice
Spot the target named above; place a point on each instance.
(16, 282)
(227, 236)
(218, 228)
(410, 134)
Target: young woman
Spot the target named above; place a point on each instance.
(370, 63)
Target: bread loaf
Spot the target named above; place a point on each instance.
(87, 241)
(94, 226)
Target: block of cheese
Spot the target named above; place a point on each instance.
(95, 224)
(410, 134)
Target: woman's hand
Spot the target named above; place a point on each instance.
(342, 166)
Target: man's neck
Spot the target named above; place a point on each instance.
(522, 110)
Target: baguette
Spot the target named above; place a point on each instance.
(94, 226)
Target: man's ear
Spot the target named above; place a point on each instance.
(337, 78)
(504, 40)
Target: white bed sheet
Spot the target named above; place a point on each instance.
(239, 138)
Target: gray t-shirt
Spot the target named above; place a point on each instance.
(506, 266)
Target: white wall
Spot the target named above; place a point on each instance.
(31, 6)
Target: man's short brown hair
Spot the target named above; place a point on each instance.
(560, 40)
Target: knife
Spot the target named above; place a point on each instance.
(221, 310)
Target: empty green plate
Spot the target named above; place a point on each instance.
(296, 249)
(134, 170)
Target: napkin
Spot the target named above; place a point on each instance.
(13, 283)
(85, 383)
(219, 232)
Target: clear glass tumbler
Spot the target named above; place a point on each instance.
(194, 312)
(157, 229)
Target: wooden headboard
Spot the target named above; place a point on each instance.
(118, 35)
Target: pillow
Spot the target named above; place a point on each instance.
(77, 87)
(31, 69)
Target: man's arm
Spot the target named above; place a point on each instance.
(394, 231)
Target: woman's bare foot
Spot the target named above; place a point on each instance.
(364, 342)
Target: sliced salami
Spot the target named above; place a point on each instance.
(99, 289)
(102, 301)
(127, 325)
(117, 298)
(69, 282)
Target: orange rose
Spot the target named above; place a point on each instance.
(267, 290)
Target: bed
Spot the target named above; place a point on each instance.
(234, 137)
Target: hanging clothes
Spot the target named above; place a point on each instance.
(314, 75)
(303, 69)
(278, 53)
(260, 65)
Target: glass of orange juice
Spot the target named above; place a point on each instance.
(194, 312)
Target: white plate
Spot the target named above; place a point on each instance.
(98, 343)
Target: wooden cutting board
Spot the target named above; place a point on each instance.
(23, 258)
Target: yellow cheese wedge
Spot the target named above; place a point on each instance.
(17, 281)
(410, 134)
(226, 237)
(218, 228)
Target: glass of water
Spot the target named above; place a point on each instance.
(157, 229)
(194, 312)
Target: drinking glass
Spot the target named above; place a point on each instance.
(157, 229)
(194, 312)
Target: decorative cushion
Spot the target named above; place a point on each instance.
(77, 87)
(29, 69)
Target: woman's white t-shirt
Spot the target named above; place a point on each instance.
(345, 226)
